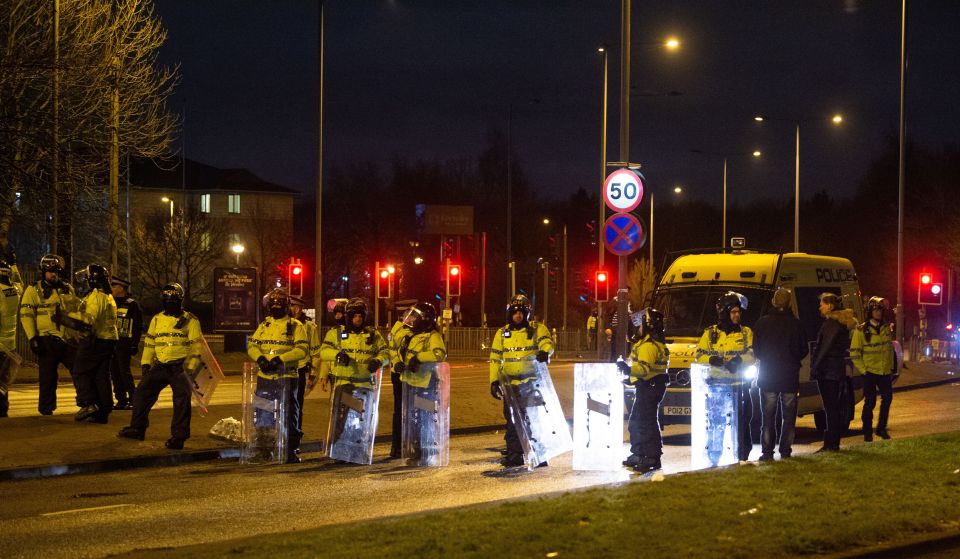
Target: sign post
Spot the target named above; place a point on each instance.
(622, 235)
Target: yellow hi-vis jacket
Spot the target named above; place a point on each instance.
(514, 351)
(399, 334)
(170, 338)
(313, 343)
(649, 358)
(284, 338)
(38, 306)
(9, 306)
(871, 349)
(427, 347)
(99, 311)
(360, 347)
(716, 342)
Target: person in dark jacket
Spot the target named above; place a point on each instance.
(779, 343)
(828, 364)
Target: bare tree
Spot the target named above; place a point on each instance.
(642, 281)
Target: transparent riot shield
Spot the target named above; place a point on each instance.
(353, 421)
(203, 373)
(263, 423)
(426, 416)
(537, 416)
(9, 367)
(314, 380)
(597, 416)
(713, 417)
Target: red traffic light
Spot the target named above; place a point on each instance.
(454, 280)
(454, 270)
(384, 273)
(601, 288)
(385, 282)
(297, 270)
(295, 277)
(925, 278)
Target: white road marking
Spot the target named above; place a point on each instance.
(88, 509)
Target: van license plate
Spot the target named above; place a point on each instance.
(676, 410)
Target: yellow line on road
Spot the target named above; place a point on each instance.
(71, 511)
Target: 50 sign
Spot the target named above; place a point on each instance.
(622, 190)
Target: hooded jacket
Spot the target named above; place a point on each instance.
(833, 341)
(780, 344)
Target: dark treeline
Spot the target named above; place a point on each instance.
(369, 215)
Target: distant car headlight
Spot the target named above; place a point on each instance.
(751, 372)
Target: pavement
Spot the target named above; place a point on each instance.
(33, 446)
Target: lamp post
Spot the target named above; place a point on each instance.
(166, 200)
(836, 119)
(900, 171)
(756, 155)
(238, 249)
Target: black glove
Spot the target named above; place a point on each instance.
(276, 364)
(134, 348)
(543, 356)
(414, 363)
(734, 364)
(342, 359)
(398, 367)
(35, 345)
(263, 363)
(495, 390)
(624, 368)
(373, 365)
(716, 361)
(144, 369)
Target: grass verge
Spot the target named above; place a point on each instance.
(871, 494)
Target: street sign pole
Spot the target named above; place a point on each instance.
(622, 235)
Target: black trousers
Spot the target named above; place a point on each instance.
(91, 375)
(644, 424)
(53, 352)
(396, 432)
(302, 374)
(145, 396)
(745, 439)
(120, 372)
(871, 384)
(830, 392)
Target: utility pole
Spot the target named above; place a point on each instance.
(54, 174)
(115, 166)
(622, 318)
(318, 290)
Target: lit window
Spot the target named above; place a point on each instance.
(205, 203)
(233, 239)
(205, 241)
(233, 203)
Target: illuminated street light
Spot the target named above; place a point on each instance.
(672, 43)
(677, 189)
(238, 249)
(756, 153)
(417, 260)
(546, 221)
(166, 200)
(837, 119)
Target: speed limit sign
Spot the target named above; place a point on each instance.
(622, 190)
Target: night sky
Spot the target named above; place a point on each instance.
(427, 79)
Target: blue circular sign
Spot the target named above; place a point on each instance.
(623, 234)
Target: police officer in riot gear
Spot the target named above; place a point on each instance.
(40, 301)
(172, 338)
(10, 289)
(278, 346)
(728, 347)
(96, 326)
(424, 344)
(871, 350)
(400, 335)
(648, 372)
(514, 346)
(129, 329)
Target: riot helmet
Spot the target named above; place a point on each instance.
(93, 276)
(53, 264)
(278, 303)
(522, 304)
(5, 271)
(172, 298)
(421, 317)
(649, 322)
(725, 305)
(355, 306)
(874, 303)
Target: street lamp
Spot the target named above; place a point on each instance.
(756, 154)
(837, 119)
(563, 271)
(166, 200)
(238, 249)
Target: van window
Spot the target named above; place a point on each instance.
(808, 307)
(688, 311)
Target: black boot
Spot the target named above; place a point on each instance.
(648, 464)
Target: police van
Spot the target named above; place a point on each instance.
(687, 295)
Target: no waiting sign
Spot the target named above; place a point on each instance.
(622, 190)
(623, 234)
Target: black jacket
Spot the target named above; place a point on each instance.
(828, 361)
(779, 344)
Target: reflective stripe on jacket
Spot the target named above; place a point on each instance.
(284, 338)
(171, 338)
(360, 347)
(514, 351)
(871, 349)
(649, 358)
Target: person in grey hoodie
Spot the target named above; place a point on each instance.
(779, 343)
(828, 364)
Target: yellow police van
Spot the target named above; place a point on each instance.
(687, 295)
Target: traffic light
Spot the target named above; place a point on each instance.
(601, 286)
(385, 282)
(454, 278)
(295, 277)
(929, 292)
